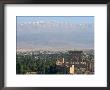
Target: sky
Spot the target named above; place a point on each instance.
(72, 19)
(55, 32)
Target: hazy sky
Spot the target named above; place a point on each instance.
(75, 19)
(55, 32)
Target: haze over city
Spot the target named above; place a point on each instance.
(55, 32)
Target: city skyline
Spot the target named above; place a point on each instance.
(55, 45)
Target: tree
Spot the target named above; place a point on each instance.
(18, 68)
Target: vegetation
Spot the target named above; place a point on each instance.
(43, 63)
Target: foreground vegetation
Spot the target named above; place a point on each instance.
(45, 62)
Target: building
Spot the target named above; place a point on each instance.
(72, 69)
(60, 61)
